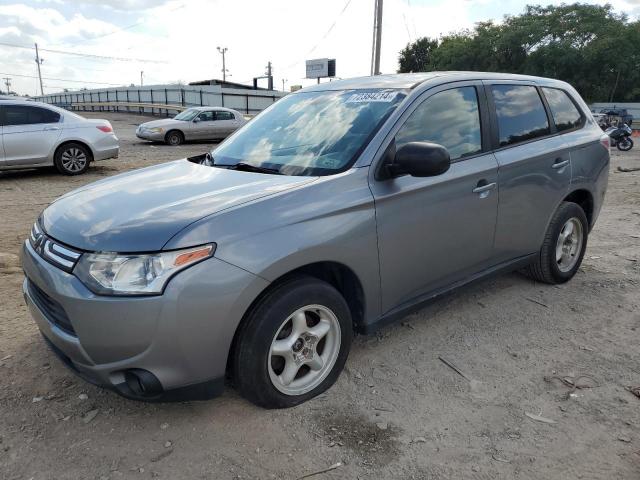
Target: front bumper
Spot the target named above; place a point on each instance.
(147, 135)
(182, 338)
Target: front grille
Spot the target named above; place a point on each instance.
(52, 251)
(53, 310)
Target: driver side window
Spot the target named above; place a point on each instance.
(450, 118)
(206, 116)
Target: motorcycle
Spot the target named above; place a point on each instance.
(620, 137)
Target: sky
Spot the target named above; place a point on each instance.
(176, 40)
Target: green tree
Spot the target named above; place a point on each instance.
(589, 46)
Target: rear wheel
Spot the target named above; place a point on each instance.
(72, 159)
(293, 345)
(564, 246)
(625, 144)
(174, 138)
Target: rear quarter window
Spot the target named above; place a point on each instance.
(565, 114)
(520, 112)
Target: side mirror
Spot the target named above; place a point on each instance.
(420, 159)
(196, 120)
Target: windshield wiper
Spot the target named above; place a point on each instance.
(247, 167)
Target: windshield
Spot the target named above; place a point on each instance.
(187, 115)
(314, 133)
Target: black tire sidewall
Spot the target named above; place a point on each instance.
(64, 148)
(178, 135)
(251, 357)
(629, 144)
(566, 211)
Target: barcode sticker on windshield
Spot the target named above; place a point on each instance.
(372, 97)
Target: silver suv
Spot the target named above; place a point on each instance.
(35, 134)
(337, 210)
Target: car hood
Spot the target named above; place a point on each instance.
(165, 122)
(141, 210)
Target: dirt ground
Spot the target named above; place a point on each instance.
(397, 411)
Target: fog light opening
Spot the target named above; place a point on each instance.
(142, 382)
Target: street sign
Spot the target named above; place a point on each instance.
(321, 68)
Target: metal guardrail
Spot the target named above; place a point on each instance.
(131, 99)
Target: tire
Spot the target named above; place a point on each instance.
(547, 267)
(174, 138)
(625, 145)
(260, 374)
(72, 159)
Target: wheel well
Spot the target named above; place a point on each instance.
(174, 130)
(341, 277)
(585, 200)
(68, 142)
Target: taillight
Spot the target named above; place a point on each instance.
(605, 141)
(105, 128)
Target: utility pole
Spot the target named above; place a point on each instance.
(283, 80)
(39, 62)
(377, 38)
(7, 82)
(141, 74)
(223, 50)
(269, 75)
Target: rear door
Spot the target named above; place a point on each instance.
(534, 166)
(226, 123)
(29, 133)
(2, 157)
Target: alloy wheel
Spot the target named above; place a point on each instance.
(73, 160)
(569, 244)
(304, 350)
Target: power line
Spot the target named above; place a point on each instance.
(84, 55)
(64, 79)
(118, 30)
(324, 36)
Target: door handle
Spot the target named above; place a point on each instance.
(51, 128)
(484, 188)
(560, 163)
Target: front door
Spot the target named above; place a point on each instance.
(203, 128)
(435, 231)
(29, 133)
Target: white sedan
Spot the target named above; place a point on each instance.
(35, 134)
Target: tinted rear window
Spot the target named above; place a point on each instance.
(564, 112)
(521, 114)
(26, 115)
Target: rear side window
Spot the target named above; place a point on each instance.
(564, 112)
(450, 118)
(521, 114)
(222, 115)
(28, 115)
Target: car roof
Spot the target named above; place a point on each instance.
(409, 81)
(213, 107)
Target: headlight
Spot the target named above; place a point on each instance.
(144, 274)
(155, 130)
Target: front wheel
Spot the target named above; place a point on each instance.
(563, 247)
(293, 345)
(174, 138)
(625, 144)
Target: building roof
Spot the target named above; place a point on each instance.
(225, 84)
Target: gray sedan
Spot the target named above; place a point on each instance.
(197, 123)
